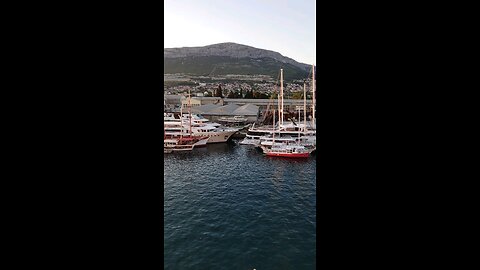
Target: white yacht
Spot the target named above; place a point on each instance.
(197, 126)
(288, 151)
(286, 147)
(256, 135)
(269, 140)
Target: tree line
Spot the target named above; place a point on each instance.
(252, 94)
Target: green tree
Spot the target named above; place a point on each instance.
(297, 95)
(249, 94)
(218, 92)
(263, 96)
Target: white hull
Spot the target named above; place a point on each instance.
(201, 143)
(182, 149)
(267, 136)
(285, 151)
(174, 145)
(216, 137)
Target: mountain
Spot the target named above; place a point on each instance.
(231, 58)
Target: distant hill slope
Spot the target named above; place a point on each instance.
(232, 58)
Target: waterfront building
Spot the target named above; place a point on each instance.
(289, 104)
(213, 111)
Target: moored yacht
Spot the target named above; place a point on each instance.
(288, 147)
(269, 140)
(184, 143)
(305, 131)
(171, 145)
(177, 127)
(256, 135)
(291, 151)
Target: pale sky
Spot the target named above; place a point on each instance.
(284, 26)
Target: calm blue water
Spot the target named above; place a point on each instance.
(229, 207)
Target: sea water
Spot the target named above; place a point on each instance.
(227, 206)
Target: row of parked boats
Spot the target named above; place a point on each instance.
(187, 132)
(184, 132)
(286, 139)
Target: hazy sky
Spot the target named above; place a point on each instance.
(284, 26)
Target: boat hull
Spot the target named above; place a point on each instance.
(183, 144)
(248, 141)
(216, 137)
(201, 143)
(180, 149)
(288, 155)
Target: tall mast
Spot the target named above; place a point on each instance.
(304, 107)
(273, 127)
(278, 96)
(181, 121)
(281, 96)
(313, 96)
(190, 112)
(298, 140)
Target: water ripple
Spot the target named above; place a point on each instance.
(229, 207)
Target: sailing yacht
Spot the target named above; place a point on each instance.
(285, 149)
(176, 130)
(292, 151)
(305, 133)
(181, 139)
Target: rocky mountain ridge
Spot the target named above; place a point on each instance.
(233, 50)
